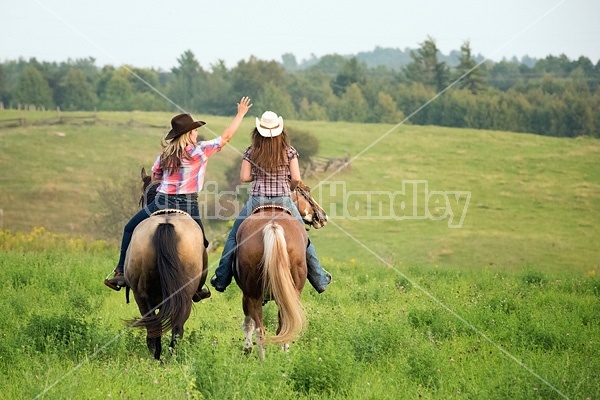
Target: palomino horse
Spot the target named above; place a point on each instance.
(164, 267)
(271, 264)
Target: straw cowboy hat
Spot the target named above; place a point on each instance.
(182, 123)
(269, 125)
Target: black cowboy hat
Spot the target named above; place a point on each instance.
(182, 123)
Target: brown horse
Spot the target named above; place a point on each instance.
(271, 264)
(164, 268)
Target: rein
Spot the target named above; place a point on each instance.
(310, 201)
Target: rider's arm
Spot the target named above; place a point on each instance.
(228, 133)
(294, 173)
(246, 172)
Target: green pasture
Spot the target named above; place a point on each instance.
(373, 335)
(465, 264)
(533, 200)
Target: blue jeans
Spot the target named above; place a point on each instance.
(161, 202)
(224, 273)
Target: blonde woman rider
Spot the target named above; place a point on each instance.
(180, 168)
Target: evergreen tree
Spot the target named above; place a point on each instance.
(426, 68)
(472, 77)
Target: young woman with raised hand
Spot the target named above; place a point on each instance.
(180, 168)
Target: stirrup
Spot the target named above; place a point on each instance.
(110, 285)
(201, 294)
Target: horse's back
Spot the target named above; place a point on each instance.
(140, 260)
(250, 248)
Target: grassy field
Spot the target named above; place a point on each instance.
(372, 335)
(503, 304)
(533, 200)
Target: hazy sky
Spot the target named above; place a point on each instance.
(154, 33)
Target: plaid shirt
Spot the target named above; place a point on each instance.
(272, 184)
(190, 177)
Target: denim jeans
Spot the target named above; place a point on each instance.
(161, 202)
(224, 273)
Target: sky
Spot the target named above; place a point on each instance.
(155, 33)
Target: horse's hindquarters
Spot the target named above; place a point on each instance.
(271, 259)
(164, 266)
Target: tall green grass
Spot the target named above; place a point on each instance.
(520, 336)
(506, 306)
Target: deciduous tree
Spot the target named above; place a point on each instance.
(75, 92)
(33, 89)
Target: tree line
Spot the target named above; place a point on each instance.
(553, 96)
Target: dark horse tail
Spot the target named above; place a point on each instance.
(172, 282)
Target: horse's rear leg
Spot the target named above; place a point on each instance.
(260, 342)
(248, 327)
(284, 346)
(154, 343)
(176, 334)
(155, 346)
(253, 312)
(177, 330)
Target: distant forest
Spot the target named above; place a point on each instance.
(554, 96)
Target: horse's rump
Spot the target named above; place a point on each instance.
(271, 260)
(163, 267)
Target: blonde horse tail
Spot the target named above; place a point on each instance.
(277, 280)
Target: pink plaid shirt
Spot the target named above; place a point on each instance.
(190, 177)
(273, 184)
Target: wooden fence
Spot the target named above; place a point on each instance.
(74, 120)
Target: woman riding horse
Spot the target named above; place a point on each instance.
(271, 164)
(180, 168)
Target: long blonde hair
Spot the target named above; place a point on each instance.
(175, 151)
(268, 153)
